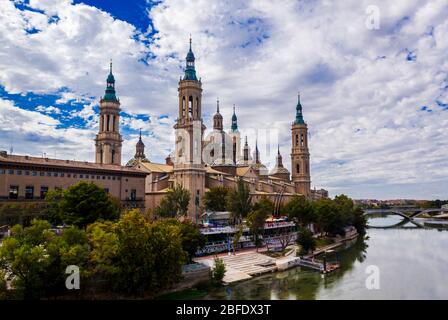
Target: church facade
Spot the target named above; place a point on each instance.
(200, 162)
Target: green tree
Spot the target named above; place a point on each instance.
(215, 199)
(306, 240)
(239, 201)
(174, 203)
(329, 217)
(192, 239)
(35, 258)
(149, 255)
(257, 218)
(300, 210)
(104, 249)
(219, 270)
(169, 254)
(359, 220)
(81, 204)
(4, 294)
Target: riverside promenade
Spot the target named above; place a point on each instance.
(249, 263)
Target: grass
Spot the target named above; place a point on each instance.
(324, 241)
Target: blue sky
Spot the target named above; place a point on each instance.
(375, 100)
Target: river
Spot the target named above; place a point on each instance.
(412, 264)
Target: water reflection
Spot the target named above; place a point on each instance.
(412, 263)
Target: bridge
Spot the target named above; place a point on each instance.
(408, 215)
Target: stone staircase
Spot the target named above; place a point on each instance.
(251, 263)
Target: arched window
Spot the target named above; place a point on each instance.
(102, 123)
(302, 140)
(113, 123)
(297, 140)
(113, 156)
(108, 120)
(197, 107)
(298, 168)
(190, 106)
(183, 107)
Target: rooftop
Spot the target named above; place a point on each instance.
(60, 163)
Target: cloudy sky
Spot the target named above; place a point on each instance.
(373, 78)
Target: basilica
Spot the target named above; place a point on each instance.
(200, 162)
(197, 163)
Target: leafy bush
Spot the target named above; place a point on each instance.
(219, 270)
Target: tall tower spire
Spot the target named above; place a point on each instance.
(299, 115)
(257, 153)
(217, 119)
(300, 156)
(108, 140)
(189, 169)
(190, 71)
(140, 148)
(246, 152)
(110, 86)
(234, 127)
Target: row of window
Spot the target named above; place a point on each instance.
(29, 192)
(58, 174)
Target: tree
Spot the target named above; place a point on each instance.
(359, 220)
(166, 208)
(192, 239)
(300, 210)
(239, 201)
(35, 258)
(149, 256)
(174, 203)
(182, 199)
(104, 249)
(81, 204)
(219, 270)
(3, 286)
(257, 219)
(216, 198)
(329, 218)
(306, 240)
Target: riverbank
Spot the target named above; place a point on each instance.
(252, 262)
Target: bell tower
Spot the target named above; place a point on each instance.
(236, 138)
(300, 156)
(108, 140)
(189, 169)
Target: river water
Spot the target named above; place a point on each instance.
(411, 263)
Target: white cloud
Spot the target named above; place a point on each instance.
(30, 132)
(361, 96)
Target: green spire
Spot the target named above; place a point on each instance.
(234, 121)
(299, 115)
(110, 87)
(190, 71)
